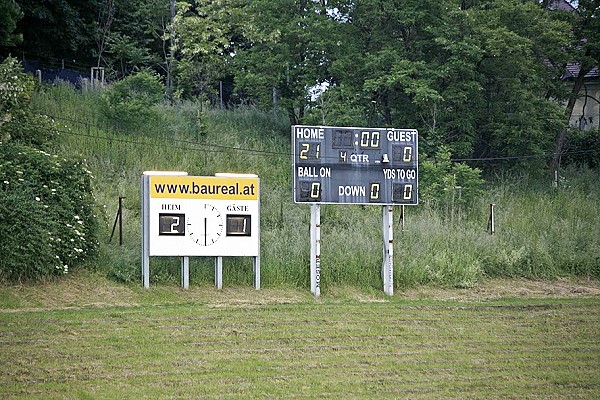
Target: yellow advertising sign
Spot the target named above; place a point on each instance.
(204, 187)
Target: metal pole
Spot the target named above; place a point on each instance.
(256, 267)
(459, 203)
(112, 233)
(315, 250)
(121, 220)
(402, 217)
(219, 272)
(387, 268)
(146, 231)
(491, 222)
(185, 272)
(221, 92)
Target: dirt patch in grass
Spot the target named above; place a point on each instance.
(76, 291)
(88, 290)
(500, 288)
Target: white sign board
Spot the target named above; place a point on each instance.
(203, 216)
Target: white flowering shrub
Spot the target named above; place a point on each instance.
(47, 222)
(46, 206)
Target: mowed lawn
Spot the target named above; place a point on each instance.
(371, 348)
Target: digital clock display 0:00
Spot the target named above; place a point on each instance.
(345, 139)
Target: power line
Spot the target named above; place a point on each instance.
(524, 157)
(198, 146)
(195, 145)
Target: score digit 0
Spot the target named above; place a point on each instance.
(315, 190)
(403, 154)
(407, 154)
(375, 191)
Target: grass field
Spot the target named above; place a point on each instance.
(88, 338)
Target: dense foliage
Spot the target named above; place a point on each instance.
(480, 78)
(47, 222)
(128, 104)
(541, 231)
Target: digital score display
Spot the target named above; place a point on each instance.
(340, 165)
(171, 224)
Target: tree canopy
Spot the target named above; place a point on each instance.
(480, 77)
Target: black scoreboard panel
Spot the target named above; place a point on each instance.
(342, 165)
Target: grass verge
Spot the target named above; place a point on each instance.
(275, 343)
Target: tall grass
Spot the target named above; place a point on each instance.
(541, 231)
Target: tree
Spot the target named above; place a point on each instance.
(132, 35)
(10, 13)
(518, 118)
(57, 29)
(102, 28)
(290, 48)
(470, 75)
(585, 51)
(208, 36)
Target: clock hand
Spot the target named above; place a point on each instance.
(205, 231)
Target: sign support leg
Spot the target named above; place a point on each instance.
(185, 272)
(219, 272)
(146, 231)
(387, 269)
(315, 249)
(256, 267)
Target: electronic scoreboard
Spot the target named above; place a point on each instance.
(341, 165)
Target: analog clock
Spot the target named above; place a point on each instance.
(206, 227)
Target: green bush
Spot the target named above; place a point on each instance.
(128, 104)
(447, 183)
(47, 222)
(17, 122)
(583, 149)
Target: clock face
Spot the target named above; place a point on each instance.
(206, 227)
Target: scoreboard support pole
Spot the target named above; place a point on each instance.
(146, 231)
(219, 272)
(315, 249)
(387, 268)
(256, 268)
(185, 272)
